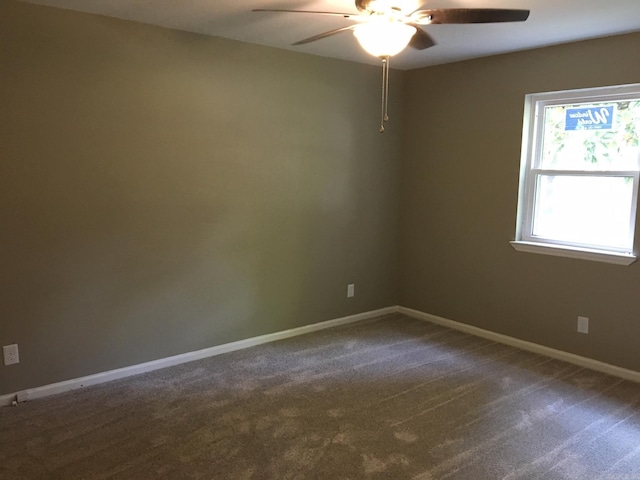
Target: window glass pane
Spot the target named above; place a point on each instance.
(591, 136)
(584, 210)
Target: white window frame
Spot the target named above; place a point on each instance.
(532, 139)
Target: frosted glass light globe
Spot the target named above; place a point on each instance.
(384, 37)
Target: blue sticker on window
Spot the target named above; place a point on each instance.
(592, 118)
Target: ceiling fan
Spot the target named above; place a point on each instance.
(383, 29)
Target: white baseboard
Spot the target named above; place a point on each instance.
(73, 384)
(524, 345)
(76, 383)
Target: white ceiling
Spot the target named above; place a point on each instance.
(551, 22)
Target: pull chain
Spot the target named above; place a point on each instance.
(386, 92)
(384, 116)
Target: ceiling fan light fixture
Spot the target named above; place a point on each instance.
(384, 37)
(388, 28)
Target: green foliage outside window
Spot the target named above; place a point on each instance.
(615, 149)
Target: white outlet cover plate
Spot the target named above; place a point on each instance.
(583, 325)
(10, 353)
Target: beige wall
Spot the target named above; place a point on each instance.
(460, 186)
(163, 192)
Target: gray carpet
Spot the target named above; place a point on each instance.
(391, 398)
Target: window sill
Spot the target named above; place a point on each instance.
(573, 252)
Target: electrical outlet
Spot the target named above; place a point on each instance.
(351, 290)
(10, 353)
(583, 325)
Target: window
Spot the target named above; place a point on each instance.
(579, 174)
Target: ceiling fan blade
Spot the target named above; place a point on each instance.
(334, 14)
(468, 15)
(420, 39)
(320, 36)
